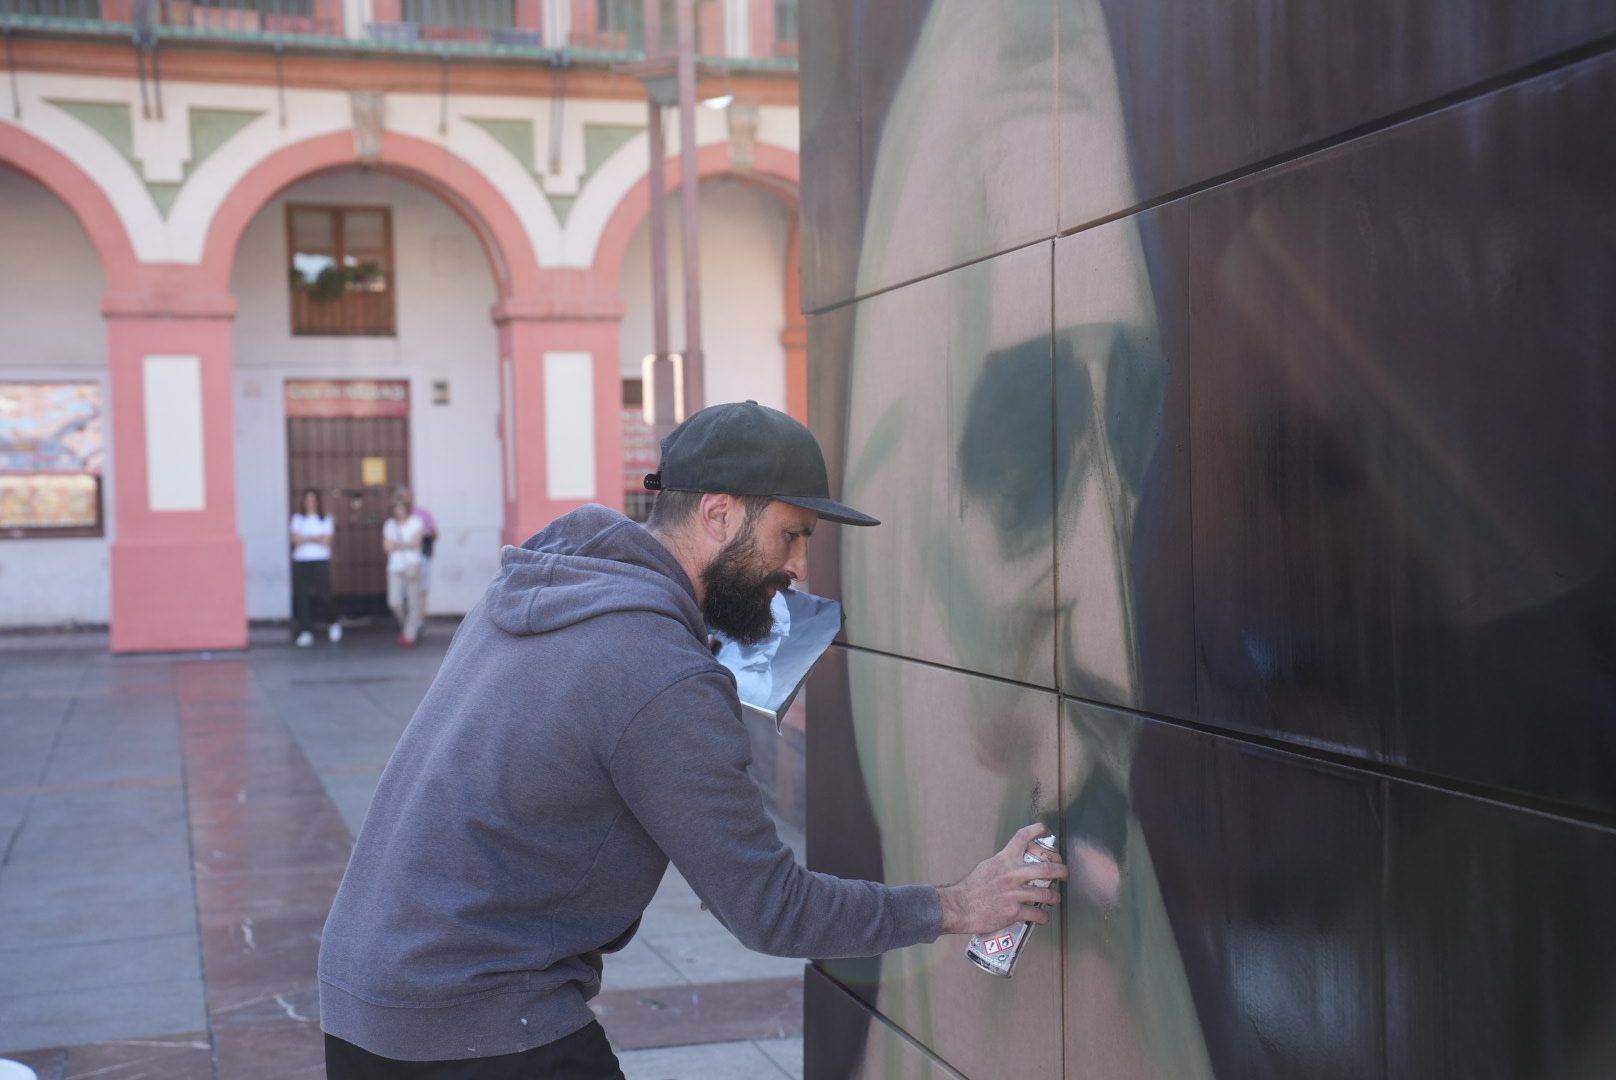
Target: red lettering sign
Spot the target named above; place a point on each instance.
(347, 397)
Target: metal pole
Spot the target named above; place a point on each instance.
(662, 366)
(689, 203)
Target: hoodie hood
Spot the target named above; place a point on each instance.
(590, 562)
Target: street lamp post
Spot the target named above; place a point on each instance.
(662, 388)
(671, 81)
(689, 201)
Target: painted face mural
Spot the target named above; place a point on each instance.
(1207, 540)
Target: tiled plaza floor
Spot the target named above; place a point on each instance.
(172, 830)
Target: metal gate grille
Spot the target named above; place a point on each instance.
(328, 454)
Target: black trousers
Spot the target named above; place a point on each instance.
(583, 1055)
(311, 590)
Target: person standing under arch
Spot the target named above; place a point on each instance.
(429, 537)
(401, 539)
(312, 530)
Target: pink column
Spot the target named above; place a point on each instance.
(540, 334)
(762, 24)
(178, 573)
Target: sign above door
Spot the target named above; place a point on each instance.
(347, 397)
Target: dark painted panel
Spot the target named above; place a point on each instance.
(936, 770)
(1157, 96)
(1403, 428)
(1211, 929)
(1501, 951)
(1122, 470)
(844, 1040)
(942, 407)
(832, 180)
(957, 126)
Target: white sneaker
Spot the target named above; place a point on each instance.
(334, 632)
(305, 639)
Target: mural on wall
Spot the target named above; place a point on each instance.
(51, 453)
(1233, 528)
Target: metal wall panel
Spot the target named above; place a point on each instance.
(989, 159)
(1158, 96)
(1501, 958)
(949, 765)
(944, 398)
(832, 176)
(1211, 930)
(1404, 423)
(1122, 473)
(845, 1039)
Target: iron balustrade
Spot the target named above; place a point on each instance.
(600, 30)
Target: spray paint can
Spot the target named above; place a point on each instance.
(996, 954)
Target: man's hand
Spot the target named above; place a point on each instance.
(997, 894)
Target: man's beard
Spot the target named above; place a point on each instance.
(737, 600)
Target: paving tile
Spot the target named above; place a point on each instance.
(712, 1012)
(785, 1053)
(88, 760)
(351, 791)
(151, 808)
(285, 893)
(47, 1064)
(68, 859)
(271, 1005)
(13, 805)
(91, 915)
(715, 956)
(249, 957)
(290, 1050)
(177, 1057)
(47, 1017)
(24, 755)
(162, 958)
(715, 1061)
(638, 965)
(113, 842)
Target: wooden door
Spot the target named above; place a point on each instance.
(356, 463)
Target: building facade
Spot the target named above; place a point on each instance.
(249, 247)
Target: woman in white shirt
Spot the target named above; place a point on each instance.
(401, 539)
(312, 531)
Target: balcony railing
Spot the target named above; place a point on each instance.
(583, 29)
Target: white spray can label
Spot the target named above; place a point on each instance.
(996, 953)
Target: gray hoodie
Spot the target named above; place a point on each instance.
(578, 736)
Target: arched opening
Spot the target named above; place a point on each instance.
(446, 250)
(745, 240)
(55, 453)
(754, 336)
(408, 372)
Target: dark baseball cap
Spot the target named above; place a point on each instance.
(744, 448)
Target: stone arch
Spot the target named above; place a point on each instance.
(428, 165)
(773, 170)
(83, 196)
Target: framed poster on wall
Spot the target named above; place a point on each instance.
(52, 448)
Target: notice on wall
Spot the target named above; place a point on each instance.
(373, 471)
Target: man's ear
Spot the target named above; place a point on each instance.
(716, 515)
